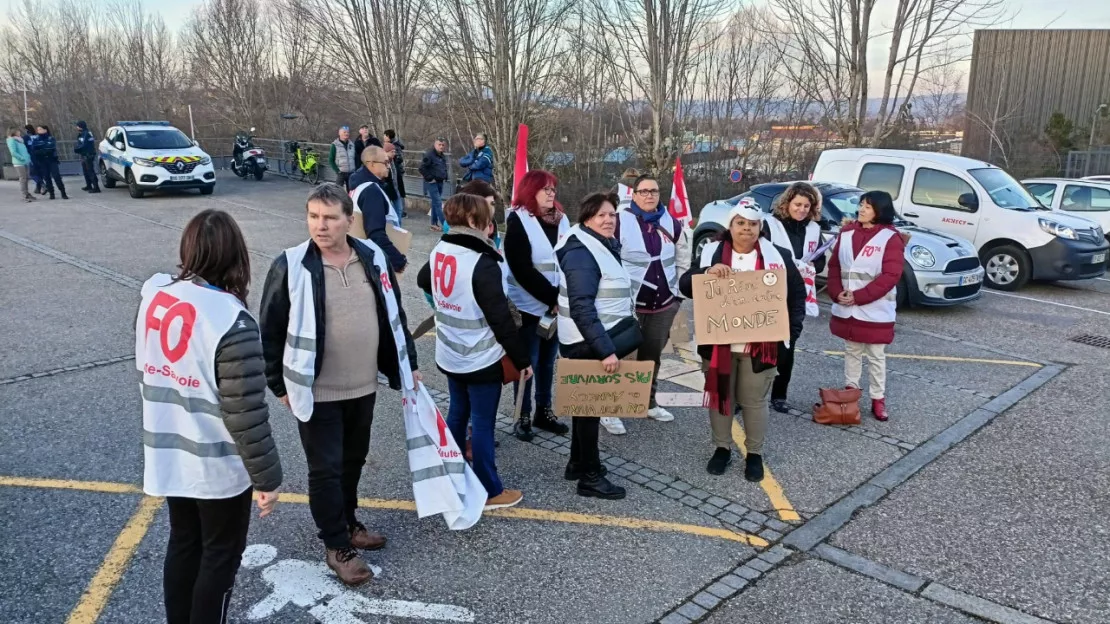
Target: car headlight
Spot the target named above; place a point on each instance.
(922, 257)
(206, 161)
(144, 162)
(1057, 229)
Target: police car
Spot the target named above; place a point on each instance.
(152, 155)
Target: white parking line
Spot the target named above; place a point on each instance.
(1102, 279)
(1062, 305)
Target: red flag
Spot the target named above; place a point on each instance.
(521, 166)
(680, 202)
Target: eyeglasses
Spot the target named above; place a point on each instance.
(379, 162)
(648, 192)
(550, 190)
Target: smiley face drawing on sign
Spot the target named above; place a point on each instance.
(311, 586)
(770, 279)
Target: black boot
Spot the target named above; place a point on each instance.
(522, 429)
(545, 419)
(779, 405)
(753, 468)
(51, 191)
(596, 486)
(86, 188)
(574, 473)
(63, 190)
(720, 461)
(95, 189)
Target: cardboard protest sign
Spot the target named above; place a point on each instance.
(401, 239)
(747, 306)
(583, 388)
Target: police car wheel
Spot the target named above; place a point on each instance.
(133, 186)
(105, 179)
(207, 190)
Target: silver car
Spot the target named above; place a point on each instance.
(940, 270)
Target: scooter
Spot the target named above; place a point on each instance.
(248, 159)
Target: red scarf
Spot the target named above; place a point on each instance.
(720, 365)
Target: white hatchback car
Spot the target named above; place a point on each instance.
(1087, 198)
(152, 155)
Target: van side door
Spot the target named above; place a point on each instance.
(881, 173)
(933, 201)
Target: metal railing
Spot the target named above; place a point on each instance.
(1088, 162)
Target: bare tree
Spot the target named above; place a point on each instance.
(497, 66)
(942, 96)
(227, 41)
(651, 51)
(830, 41)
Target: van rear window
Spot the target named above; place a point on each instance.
(882, 177)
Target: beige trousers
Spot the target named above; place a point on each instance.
(876, 368)
(751, 391)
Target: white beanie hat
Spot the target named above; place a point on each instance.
(746, 208)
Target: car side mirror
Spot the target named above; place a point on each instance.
(826, 223)
(969, 201)
(196, 143)
(118, 145)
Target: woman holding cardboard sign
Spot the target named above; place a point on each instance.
(595, 323)
(864, 272)
(793, 226)
(742, 373)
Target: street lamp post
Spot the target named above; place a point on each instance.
(1091, 140)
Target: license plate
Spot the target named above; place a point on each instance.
(1098, 258)
(187, 178)
(967, 280)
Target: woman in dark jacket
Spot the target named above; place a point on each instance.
(207, 488)
(587, 248)
(794, 226)
(742, 373)
(864, 272)
(532, 229)
(475, 331)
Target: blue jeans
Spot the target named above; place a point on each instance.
(543, 354)
(476, 403)
(434, 191)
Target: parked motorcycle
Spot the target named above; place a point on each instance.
(247, 159)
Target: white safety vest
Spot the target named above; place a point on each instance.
(543, 258)
(464, 340)
(614, 294)
(299, 358)
(855, 273)
(808, 271)
(390, 216)
(634, 253)
(187, 449)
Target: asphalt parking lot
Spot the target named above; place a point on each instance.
(984, 498)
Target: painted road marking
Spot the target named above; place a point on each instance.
(769, 484)
(518, 513)
(1062, 305)
(680, 399)
(694, 380)
(312, 586)
(945, 358)
(100, 589)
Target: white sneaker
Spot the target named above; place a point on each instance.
(660, 414)
(613, 425)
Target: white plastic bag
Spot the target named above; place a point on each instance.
(442, 481)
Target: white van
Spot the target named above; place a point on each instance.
(1017, 238)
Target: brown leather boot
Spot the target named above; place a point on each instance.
(365, 539)
(348, 566)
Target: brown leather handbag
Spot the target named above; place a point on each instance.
(838, 406)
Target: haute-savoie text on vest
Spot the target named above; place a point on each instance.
(187, 449)
(464, 340)
(634, 253)
(614, 293)
(855, 273)
(543, 258)
(809, 273)
(299, 358)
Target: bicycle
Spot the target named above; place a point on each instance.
(302, 161)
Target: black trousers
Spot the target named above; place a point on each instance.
(207, 539)
(785, 370)
(583, 444)
(51, 177)
(336, 440)
(343, 179)
(88, 168)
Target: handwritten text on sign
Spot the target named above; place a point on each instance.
(746, 306)
(583, 388)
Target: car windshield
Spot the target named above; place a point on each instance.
(844, 205)
(171, 138)
(1005, 191)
